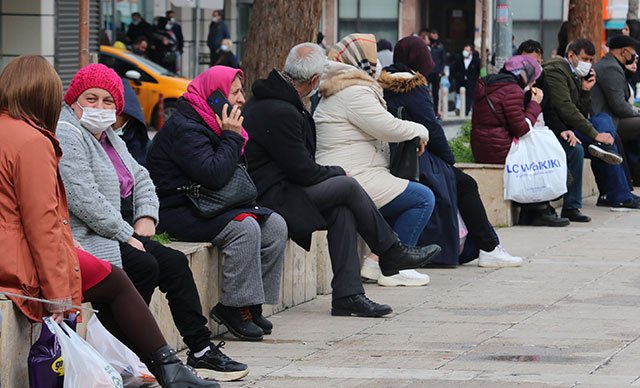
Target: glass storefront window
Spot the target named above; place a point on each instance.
(526, 9)
(378, 17)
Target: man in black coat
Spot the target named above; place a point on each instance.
(465, 72)
(138, 27)
(281, 161)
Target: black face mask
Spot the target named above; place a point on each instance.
(631, 60)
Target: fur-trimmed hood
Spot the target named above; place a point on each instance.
(401, 82)
(339, 76)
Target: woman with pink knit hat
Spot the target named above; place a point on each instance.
(114, 212)
(194, 148)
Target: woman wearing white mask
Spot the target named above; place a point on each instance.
(354, 130)
(114, 209)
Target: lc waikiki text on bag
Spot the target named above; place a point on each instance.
(83, 365)
(535, 169)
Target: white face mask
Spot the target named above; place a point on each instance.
(97, 120)
(120, 131)
(224, 47)
(378, 71)
(583, 69)
(465, 53)
(313, 91)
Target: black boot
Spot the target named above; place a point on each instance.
(360, 306)
(400, 257)
(238, 320)
(545, 215)
(172, 373)
(259, 319)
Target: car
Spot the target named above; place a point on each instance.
(148, 79)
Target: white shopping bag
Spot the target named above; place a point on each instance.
(134, 372)
(536, 168)
(83, 365)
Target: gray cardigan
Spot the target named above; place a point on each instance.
(93, 189)
(611, 92)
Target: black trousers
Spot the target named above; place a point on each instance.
(434, 83)
(169, 270)
(472, 212)
(349, 210)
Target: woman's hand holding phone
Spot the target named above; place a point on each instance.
(231, 122)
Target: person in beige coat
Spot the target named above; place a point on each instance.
(354, 130)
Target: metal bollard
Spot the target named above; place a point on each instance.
(443, 107)
(463, 102)
(160, 111)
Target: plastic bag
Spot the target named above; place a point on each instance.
(134, 373)
(536, 168)
(83, 365)
(46, 369)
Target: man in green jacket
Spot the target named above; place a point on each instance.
(570, 80)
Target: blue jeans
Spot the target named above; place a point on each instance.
(611, 179)
(575, 163)
(409, 212)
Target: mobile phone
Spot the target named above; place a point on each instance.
(217, 100)
(588, 76)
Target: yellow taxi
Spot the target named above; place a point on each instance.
(148, 80)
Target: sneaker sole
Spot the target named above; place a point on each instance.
(607, 157)
(498, 264)
(388, 281)
(233, 331)
(368, 274)
(221, 376)
(347, 313)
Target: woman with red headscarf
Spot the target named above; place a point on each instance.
(195, 146)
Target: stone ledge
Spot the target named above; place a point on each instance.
(299, 285)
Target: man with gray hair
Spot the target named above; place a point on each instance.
(281, 160)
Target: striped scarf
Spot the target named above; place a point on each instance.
(357, 50)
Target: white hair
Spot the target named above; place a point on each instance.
(304, 61)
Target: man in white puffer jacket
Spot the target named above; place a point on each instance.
(354, 129)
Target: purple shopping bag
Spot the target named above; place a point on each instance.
(45, 359)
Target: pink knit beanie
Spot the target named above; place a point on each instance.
(96, 76)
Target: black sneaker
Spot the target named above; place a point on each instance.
(216, 365)
(238, 320)
(360, 306)
(605, 152)
(633, 203)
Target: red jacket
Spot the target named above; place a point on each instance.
(492, 133)
(38, 256)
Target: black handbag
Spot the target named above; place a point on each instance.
(239, 192)
(404, 156)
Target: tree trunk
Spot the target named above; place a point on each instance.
(585, 21)
(632, 13)
(271, 35)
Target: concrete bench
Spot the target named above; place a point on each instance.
(491, 188)
(299, 285)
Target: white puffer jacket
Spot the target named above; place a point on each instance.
(354, 129)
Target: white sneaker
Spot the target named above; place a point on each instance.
(498, 257)
(370, 270)
(407, 278)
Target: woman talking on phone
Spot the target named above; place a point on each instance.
(201, 146)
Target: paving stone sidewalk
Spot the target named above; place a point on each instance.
(569, 317)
